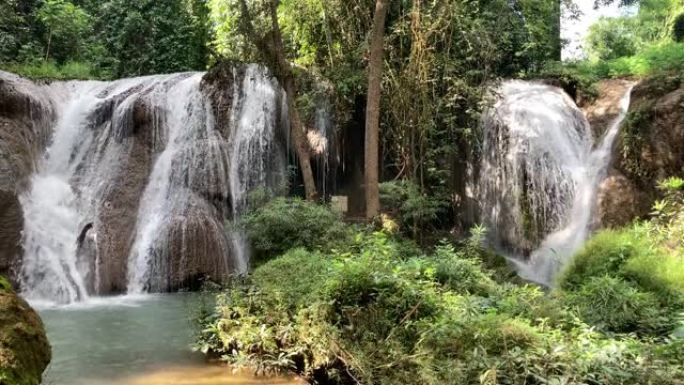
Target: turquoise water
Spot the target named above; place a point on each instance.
(111, 340)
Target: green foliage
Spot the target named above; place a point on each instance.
(148, 36)
(611, 38)
(50, 71)
(416, 211)
(114, 38)
(603, 254)
(461, 271)
(577, 79)
(5, 286)
(614, 305)
(662, 58)
(286, 223)
(378, 314)
(67, 27)
(631, 280)
(283, 277)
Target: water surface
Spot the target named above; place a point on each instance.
(141, 340)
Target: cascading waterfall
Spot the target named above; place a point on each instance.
(142, 170)
(539, 175)
(255, 124)
(187, 122)
(62, 192)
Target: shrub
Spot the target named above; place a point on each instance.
(286, 223)
(611, 38)
(415, 210)
(374, 314)
(662, 273)
(461, 274)
(616, 306)
(295, 277)
(604, 254)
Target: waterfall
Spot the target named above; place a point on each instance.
(138, 180)
(539, 175)
(187, 122)
(255, 121)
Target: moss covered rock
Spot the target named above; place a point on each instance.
(24, 349)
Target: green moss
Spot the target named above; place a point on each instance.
(24, 349)
(5, 285)
(634, 136)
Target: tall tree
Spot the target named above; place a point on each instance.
(372, 144)
(271, 48)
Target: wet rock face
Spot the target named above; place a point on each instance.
(650, 148)
(620, 201)
(24, 348)
(106, 140)
(25, 118)
(606, 108)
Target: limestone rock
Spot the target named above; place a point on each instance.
(25, 118)
(649, 149)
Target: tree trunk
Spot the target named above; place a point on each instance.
(274, 53)
(286, 76)
(47, 50)
(373, 109)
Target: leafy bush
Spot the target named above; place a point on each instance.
(659, 58)
(294, 277)
(611, 38)
(460, 273)
(416, 211)
(375, 315)
(577, 79)
(286, 223)
(632, 280)
(614, 305)
(604, 254)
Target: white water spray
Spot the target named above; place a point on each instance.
(539, 175)
(150, 146)
(252, 147)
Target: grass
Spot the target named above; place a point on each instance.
(49, 70)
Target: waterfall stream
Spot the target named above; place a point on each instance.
(144, 172)
(539, 175)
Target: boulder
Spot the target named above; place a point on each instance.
(24, 348)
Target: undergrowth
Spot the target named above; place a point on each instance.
(48, 70)
(375, 310)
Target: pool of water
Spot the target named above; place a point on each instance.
(144, 340)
